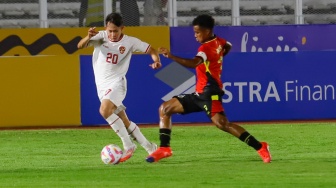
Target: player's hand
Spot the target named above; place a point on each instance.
(164, 51)
(156, 65)
(92, 32)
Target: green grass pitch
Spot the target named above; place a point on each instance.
(303, 156)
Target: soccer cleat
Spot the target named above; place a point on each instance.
(127, 153)
(152, 148)
(160, 153)
(265, 153)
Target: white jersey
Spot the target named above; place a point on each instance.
(111, 59)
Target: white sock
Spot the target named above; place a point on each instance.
(119, 128)
(134, 130)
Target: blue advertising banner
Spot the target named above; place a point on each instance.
(258, 87)
(280, 86)
(262, 38)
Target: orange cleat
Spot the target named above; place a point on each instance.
(265, 153)
(160, 153)
(127, 154)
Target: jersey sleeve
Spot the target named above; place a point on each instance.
(201, 53)
(97, 39)
(139, 46)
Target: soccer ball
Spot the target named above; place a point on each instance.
(111, 154)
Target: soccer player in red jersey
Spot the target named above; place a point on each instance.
(208, 94)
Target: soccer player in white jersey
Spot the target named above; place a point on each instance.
(111, 58)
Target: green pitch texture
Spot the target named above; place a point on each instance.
(304, 155)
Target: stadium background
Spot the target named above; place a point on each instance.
(46, 81)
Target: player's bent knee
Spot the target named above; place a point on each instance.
(104, 113)
(165, 109)
(107, 110)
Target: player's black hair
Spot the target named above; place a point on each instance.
(204, 21)
(114, 18)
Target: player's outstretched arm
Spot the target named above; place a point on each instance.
(83, 43)
(190, 63)
(156, 58)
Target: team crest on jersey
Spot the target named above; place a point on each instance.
(122, 49)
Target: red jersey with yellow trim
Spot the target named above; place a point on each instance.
(209, 72)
